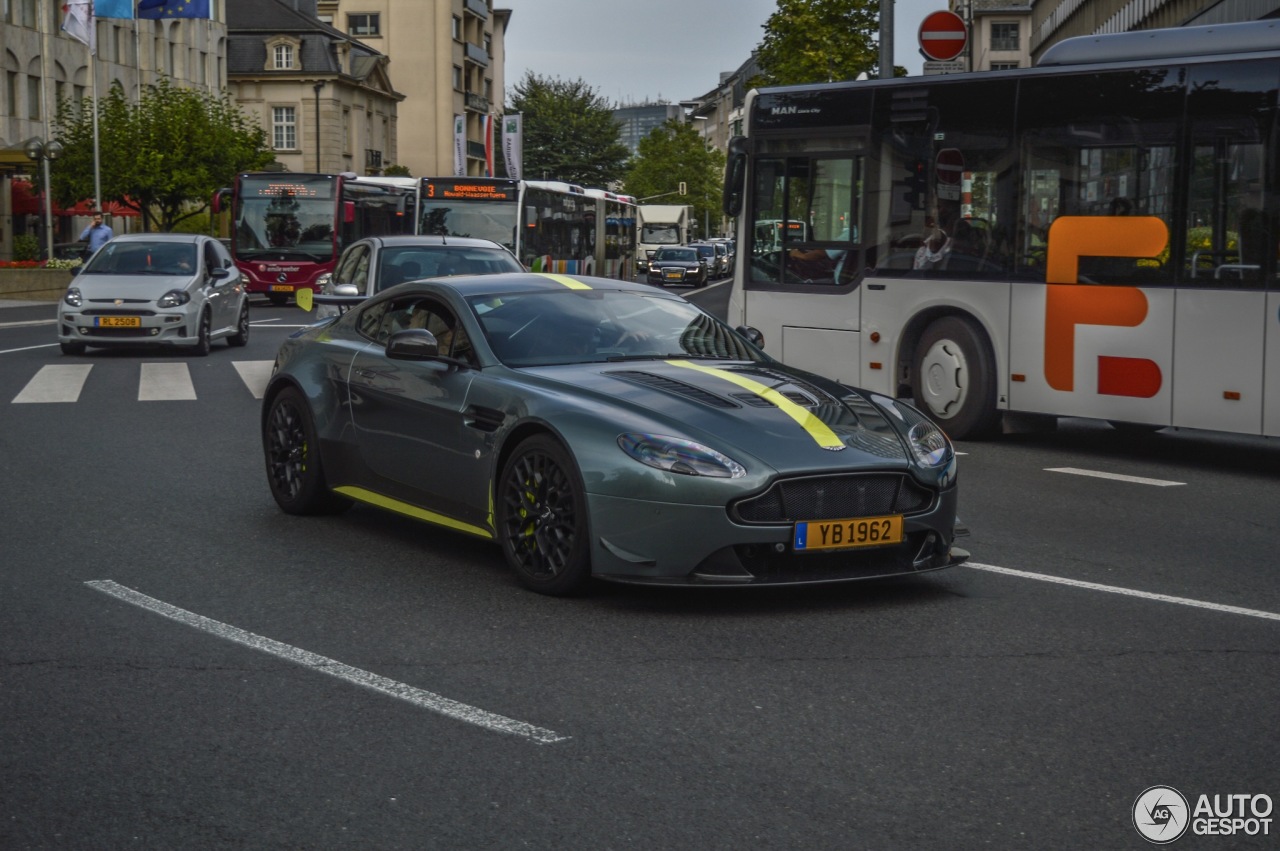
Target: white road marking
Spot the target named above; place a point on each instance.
(254, 374)
(55, 383)
(28, 323)
(1097, 474)
(27, 348)
(416, 696)
(1128, 592)
(165, 382)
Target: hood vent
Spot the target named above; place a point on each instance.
(761, 402)
(670, 385)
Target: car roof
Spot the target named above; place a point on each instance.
(526, 282)
(160, 237)
(433, 240)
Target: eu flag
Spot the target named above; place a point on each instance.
(151, 9)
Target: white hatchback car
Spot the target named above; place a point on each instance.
(155, 289)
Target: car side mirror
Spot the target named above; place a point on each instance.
(220, 274)
(752, 335)
(346, 289)
(413, 344)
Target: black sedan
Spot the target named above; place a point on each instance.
(595, 427)
(678, 265)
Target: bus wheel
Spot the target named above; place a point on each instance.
(954, 380)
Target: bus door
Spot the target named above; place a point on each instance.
(1225, 332)
(1092, 307)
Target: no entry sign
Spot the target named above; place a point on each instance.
(943, 36)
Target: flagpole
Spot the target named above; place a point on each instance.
(97, 163)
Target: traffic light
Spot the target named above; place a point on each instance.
(684, 188)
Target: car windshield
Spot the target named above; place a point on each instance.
(122, 257)
(705, 250)
(685, 254)
(594, 326)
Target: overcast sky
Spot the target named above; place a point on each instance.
(631, 51)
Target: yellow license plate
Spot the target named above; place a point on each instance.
(117, 321)
(282, 288)
(851, 532)
(675, 275)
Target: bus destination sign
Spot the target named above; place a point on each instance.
(322, 189)
(471, 190)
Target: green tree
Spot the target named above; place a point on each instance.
(820, 41)
(673, 154)
(163, 156)
(569, 132)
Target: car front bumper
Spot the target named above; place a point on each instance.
(154, 328)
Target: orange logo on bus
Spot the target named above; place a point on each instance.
(1068, 303)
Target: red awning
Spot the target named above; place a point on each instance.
(28, 202)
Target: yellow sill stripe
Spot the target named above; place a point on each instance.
(410, 510)
(566, 281)
(817, 429)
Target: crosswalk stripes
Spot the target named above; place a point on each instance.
(157, 382)
(55, 383)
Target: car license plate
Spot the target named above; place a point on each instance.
(117, 321)
(851, 532)
(675, 276)
(282, 288)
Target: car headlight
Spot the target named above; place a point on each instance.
(928, 443)
(173, 298)
(678, 455)
(72, 297)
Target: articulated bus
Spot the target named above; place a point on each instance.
(1092, 237)
(550, 226)
(287, 229)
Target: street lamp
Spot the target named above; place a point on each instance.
(38, 150)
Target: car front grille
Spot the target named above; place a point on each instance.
(834, 498)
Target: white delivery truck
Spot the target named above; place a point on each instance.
(658, 225)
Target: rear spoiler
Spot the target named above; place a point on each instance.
(306, 299)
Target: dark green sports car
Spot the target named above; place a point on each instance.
(595, 427)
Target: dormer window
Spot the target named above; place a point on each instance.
(283, 54)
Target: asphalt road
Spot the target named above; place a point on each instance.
(367, 681)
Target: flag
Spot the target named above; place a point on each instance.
(512, 144)
(113, 8)
(77, 22)
(459, 146)
(488, 145)
(152, 9)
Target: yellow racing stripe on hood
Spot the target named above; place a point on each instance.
(818, 430)
(565, 280)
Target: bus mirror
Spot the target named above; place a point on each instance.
(348, 212)
(735, 176)
(219, 198)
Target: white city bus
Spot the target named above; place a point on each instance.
(1095, 237)
(550, 225)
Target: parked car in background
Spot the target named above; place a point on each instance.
(376, 263)
(592, 427)
(66, 251)
(176, 290)
(678, 264)
(716, 261)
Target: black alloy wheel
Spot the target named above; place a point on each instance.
(542, 521)
(294, 471)
(203, 342)
(241, 336)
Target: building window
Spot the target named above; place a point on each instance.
(284, 128)
(284, 57)
(363, 24)
(33, 98)
(1004, 36)
(1003, 66)
(346, 130)
(457, 78)
(457, 28)
(11, 91)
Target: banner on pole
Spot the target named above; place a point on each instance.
(459, 146)
(513, 144)
(113, 8)
(154, 9)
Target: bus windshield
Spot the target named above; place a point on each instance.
(286, 218)
(495, 220)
